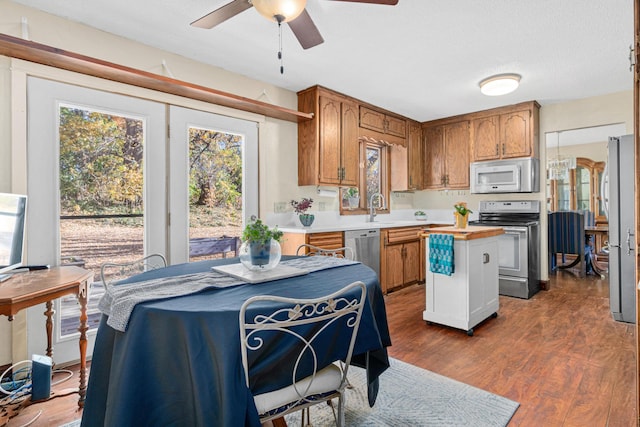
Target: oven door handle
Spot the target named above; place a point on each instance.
(515, 230)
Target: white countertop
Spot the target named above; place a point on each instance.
(322, 228)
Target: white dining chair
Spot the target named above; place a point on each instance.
(266, 319)
(311, 250)
(111, 272)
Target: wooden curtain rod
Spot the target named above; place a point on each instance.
(42, 54)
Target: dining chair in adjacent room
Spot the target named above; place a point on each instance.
(566, 235)
(296, 352)
(112, 272)
(311, 250)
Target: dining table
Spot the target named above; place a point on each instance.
(178, 362)
(599, 235)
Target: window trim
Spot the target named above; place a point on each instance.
(385, 180)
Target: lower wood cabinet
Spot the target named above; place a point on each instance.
(401, 260)
(329, 240)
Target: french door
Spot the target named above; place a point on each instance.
(117, 148)
(186, 126)
(79, 134)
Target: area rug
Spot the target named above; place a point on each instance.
(411, 396)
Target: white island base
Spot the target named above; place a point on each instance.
(470, 294)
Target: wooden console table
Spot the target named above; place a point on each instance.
(25, 290)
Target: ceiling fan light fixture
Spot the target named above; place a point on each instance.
(279, 10)
(500, 84)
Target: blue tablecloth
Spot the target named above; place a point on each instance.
(179, 362)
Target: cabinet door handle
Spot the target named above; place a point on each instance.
(503, 149)
(497, 151)
(486, 258)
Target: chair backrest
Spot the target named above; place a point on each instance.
(311, 250)
(298, 337)
(566, 232)
(112, 272)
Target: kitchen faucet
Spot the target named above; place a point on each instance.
(372, 209)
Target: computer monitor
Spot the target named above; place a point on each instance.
(13, 212)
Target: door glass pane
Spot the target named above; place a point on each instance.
(563, 195)
(101, 198)
(215, 193)
(583, 188)
(600, 204)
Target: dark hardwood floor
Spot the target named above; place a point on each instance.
(559, 354)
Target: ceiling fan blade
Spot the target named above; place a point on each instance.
(387, 2)
(221, 14)
(305, 31)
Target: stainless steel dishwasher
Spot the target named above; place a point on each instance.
(365, 245)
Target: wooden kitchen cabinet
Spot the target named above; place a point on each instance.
(329, 240)
(446, 155)
(383, 123)
(400, 262)
(510, 134)
(414, 146)
(328, 148)
(406, 161)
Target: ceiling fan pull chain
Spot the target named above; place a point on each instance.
(280, 46)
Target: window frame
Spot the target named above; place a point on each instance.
(385, 178)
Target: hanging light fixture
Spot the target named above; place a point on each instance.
(558, 167)
(280, 11)
(500, 84)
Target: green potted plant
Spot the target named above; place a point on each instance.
(301, 208)
(462, 214)
(352, 194)
(420, 215)
(258, 241)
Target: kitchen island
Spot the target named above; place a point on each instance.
(470, 294)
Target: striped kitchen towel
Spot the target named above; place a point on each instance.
(441, 254)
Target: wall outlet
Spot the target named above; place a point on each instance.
(280, 207)
(322, 206)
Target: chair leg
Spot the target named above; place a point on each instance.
(340, 410)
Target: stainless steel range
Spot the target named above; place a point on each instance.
(518, 248)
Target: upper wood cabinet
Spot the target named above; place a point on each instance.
(414, 146)
(507, 133)
(406, 161)
(328, 149)
(446, 156)
(383, 123)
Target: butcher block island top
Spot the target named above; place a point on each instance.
(470, 233)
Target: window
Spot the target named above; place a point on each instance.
(374, 179)
(581, 191)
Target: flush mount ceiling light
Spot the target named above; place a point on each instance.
(280, 10)
(500, 84)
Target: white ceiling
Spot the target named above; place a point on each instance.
(422, 58)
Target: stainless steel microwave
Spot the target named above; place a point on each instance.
(505, 176)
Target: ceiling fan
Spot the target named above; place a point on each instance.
(292, 12)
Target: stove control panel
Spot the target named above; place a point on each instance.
(516, 206)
